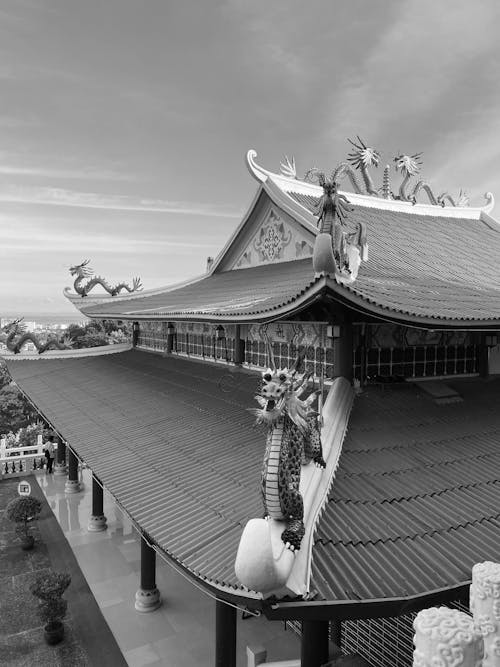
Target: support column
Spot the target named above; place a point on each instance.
(225, 635)
(72, 483)
(314, 646)
(97, 521)
(239, 346)
(60, 462)
(147, 597)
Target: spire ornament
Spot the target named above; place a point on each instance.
(361, 158)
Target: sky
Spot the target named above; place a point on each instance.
(124, 124)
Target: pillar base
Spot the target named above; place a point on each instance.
(147, 600)
(97, 523)
(60, 469)
(72, 486)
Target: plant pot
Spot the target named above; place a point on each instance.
(54, 632)
(27, 542)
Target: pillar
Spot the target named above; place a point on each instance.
(72, 483)
(135, 334)
(97, 521)
(225, 635)
(314, 645)
(170, 338)
(342, 353)
(60, 462)
(239, 346)
(440, 631)
(147, 597)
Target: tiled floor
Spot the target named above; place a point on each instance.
(181, 633)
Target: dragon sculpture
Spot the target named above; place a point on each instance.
(409, 166)
(361, 158)
(293, 438)
(337, 251)
(14, 336)
(82, 271)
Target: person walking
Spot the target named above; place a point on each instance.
(50, 453)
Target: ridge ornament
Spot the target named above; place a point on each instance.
(82, 271)
(9, 332)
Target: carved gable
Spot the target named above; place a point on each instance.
(274, 241)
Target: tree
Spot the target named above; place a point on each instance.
(5, 378)
(15, 411)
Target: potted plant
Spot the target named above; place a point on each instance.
(49, 588)
(22, 511)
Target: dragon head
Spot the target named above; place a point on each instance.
(409, 165)
(280, 394)
(363, 155)
(14, 327)
(81, 270)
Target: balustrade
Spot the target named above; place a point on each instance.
(24, 459)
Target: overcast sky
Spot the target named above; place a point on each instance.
(124, 124)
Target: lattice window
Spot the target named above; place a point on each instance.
(384, 641)
(416, 361)
(206, 346)
(318, 360)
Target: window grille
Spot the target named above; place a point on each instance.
(416, 361)
(206, 346)
(318, 360)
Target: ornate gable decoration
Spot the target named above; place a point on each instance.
(274, 241)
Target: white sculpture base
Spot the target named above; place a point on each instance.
(72, 486)
(446, 636)
(485, 607)
(263, 563)
(97, 523)
(60, 469)
(146, 601)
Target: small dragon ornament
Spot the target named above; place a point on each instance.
(293, 439)
(15, 336)
(82, 271)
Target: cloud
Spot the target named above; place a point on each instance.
(412, 64)
(72, 198)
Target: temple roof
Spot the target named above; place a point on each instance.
(413, 505)
(429, 265)
(424, 269)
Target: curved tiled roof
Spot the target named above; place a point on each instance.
(426, 266)
(229, 294)
(413, 506)
(429, 269)
(415, 500)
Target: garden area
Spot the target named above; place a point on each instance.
(37, 583)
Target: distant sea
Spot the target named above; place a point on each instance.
(47, 318)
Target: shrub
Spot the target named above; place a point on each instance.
(49, 588)
(21, 511)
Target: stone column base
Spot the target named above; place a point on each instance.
(72, 486)
(60, 469)
(147, 600)
(97, 523)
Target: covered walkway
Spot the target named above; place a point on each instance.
(180, 633)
